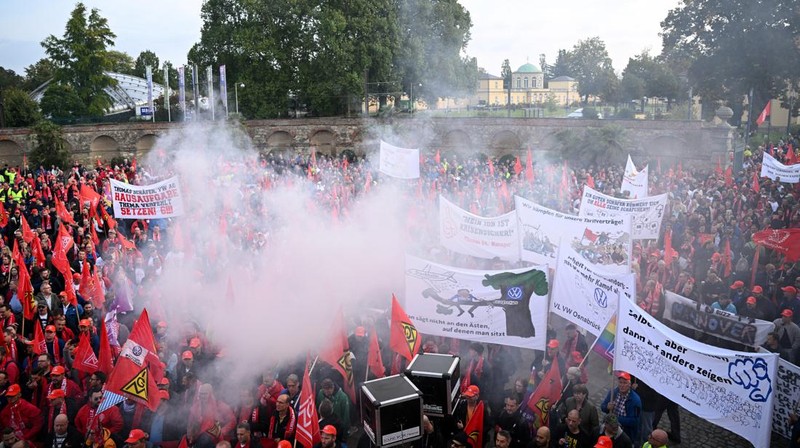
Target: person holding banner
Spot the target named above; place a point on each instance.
(625, 404)
(788, 335)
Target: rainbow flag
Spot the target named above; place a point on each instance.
(604, 346)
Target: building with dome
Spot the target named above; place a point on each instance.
(527, 89)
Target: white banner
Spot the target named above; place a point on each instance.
(719, 323)
(506, 307)
(633, 181)
(584, 295)
(646, 214)
(397, 162)
(734, 390)
(465, 233)
(787, 396)
(603, 243)
(773, 169)
(159, 200)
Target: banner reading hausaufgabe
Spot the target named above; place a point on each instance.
(154, 201)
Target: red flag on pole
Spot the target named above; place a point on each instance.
(517, 166)
(404, 338)
(64, 214)
(529, 167)
(762, 117)
(338, 355)
(69, 289)
(729, 176)
(126, 243)
(138, 369)
(785, 241)
(791, 159)
(438, 157)
(756, 185)
(24, 286)
(307, 420)
(27, 233)
(718, 170)
(474, 427)
(39, 343)
(374, 360)
(728, 262)
(62, 245)
(3, 215)
(669, 253)
(589, 235)
(84, 358)
(38, 253)
(546, 394)
(105, 362)
(87, 194)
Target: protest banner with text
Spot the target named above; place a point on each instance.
(773, 169)
(468, 234)
(402, 163)
(646, 213)
(601, 242)
(154, 201)
(734, 390)
(507, 307)
(585, 295)
(714, 322)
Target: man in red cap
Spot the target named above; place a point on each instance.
(738, 293)
(328, 437)
(751, 309)
(86, 328)
(136, 439)
(57, 404)
(87, 417)
(244, 437)
(55, 346)
(551, 357)
(59, 380)
(764, 304)
(21, 416)
(625, 404)
(790, 302)
(788, 336)
(465, 410)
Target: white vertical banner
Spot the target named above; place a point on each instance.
(149, 76)
(167, 93)
(182, 90)
(787, 397)
(734, 390)
(635, 182)
(584, 294)
(210, 80)
(223, 88)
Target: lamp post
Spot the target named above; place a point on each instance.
(236, 95)
(411, 96)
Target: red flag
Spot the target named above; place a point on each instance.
(61, 246)
(38, 253)
(27, 233)
(729, 176)
(338, 355)
(374, 360)
(63, 214)
(590, 181)
(589, 235)
(546, 394)
(3, 215)
(84, 358)
(126, 243)
(529, 167)
(727, 254)
(88, 194)
(39, 343)
(474, 427)
(86, 280)
(756, 185)
(307, 420)
(69, 289)
(438, 157)
(133, 164)
(791, 159)
(138, 369)
(105, 363)
(491, 167)
(718, 170)
(764, 114)
(517, 166)
(784, 241)
(755, 266)
(703, 238)
(669, 253)
(404, 338)
(95, 238)
(24, 286)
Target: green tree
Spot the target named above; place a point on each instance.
(732, 46)
(651, 77)
(144, 59)
(49, 147)
(61, 102)
(81, 58)
(121, 62)
(563, 65)
(19, 109)
(39, 73)
(506, 73)
(591, 66)
(593, 146)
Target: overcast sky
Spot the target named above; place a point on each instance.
(518, 30)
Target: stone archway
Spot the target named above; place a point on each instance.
(104, 148)
(144, 145)
(280, 139)
(10, 153)
(505, 141)
(324, 142)
(457, 140)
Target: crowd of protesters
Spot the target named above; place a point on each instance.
(47, 402)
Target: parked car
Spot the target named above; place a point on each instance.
(578, 113)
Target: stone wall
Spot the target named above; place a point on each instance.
(685, 140)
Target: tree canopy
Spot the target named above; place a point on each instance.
(81, 58)
(319, 53)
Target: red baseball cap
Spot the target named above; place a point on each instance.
(624, 375)
(604, 442)
(472, 391)
(787, 313)
(187, 355)
(284, 444)
(194, 343)
(790, 289)
(13, 390)
(163, 394)
(330, 430)
(58, 370)
(737, 284)
(757, 289)
(553, 343)
(135, 436)
(751, 300)
(58, 393)
(85, 323)
(50, 328)
(360, 332)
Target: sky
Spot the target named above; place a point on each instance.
(518, 30)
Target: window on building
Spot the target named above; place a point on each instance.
(526, 82)
(534, 83)
(519, 83)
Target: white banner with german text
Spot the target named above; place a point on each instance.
(714, 322)
(601, 242)
(402, 163)
(584, 295)
(154, 201)
(646, 213)
(507, 307)
(468, 234)
(773, 169)
(734, 390)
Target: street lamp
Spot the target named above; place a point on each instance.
(411, 96)
(236, 94)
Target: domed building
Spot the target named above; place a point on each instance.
(527, 76)
(527, 89)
